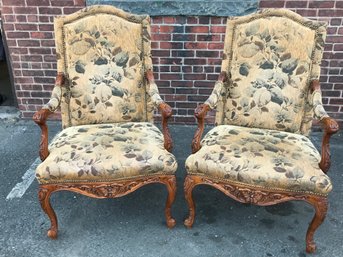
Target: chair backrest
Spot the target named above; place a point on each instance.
(272, 56)
(104, 53)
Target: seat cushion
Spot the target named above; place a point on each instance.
(259, 157)
(106, 152)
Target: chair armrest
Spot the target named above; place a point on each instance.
(164, 108)
(329, 124)
(42, 115)
(201, 111)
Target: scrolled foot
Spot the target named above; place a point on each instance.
(311, 247)
(189, 222)
(171, 223)
(52, 233)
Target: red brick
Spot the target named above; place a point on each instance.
(334, 39)
(204, 20)
(171, 45)
(80, 3)
(162, 53)
(161, 37)
(215, 45)
(271, 4)
(194, 76)
(156, 20)
(28, 43)
(69, 10)
(18, 50)
(32, 18)
(197, 29)
(183, 37)
(6, 10)
(50, 10)
(336, 22)
(17, 35)
(44, 18)
(25, 10)
(183, 53)
(208, 38)
(62, 3)
(13, 2)
(338, 101)
(218, 29)
(46, 27)
(42, 35)
(192, 20)
(40, 50)
(9, 18)
(175, 69)
(169, 19)
(339, 4)
(207, 53)
(173, 61)
(27, 26)
(330, 12)
(335, 79)
(195, 45)
(338, 47)
(170, 76)
(296, 4)
(8, 27)
(39, 2)
(321, 4)
(217, 20)
(21, 18)
(307, 12)
(197, 61)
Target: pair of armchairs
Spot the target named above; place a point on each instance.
(265, 97)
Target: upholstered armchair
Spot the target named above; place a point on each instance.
(105, 88)
(265, 99)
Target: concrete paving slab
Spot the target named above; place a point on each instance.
(134, 225)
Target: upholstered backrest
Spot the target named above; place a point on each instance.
(104, 52)
(272, 56)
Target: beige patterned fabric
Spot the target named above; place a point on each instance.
(272, 56)
(55, 99)
(216, 95)
(104, 52)
(318, 108)
(262, 158)
(106, 152)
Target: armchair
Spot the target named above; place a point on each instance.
(105, 87)
(266, 97)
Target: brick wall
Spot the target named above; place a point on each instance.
(187, 52)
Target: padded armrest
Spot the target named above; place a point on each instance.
(201, 111)
(56, 95)
(330, 125)
(165, 109)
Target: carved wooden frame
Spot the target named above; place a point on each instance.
(257, 196)
(112, 189)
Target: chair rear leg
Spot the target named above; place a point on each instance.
(171, 187)
(321, 206)
(44, 199)
(188, 187)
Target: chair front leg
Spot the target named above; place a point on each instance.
(321, 206)
(44, 194)
(188, 188)
(166, 112)
(171, 187)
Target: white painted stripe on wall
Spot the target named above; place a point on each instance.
(20, 188)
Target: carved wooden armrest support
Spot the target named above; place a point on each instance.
(330, 127)
(166, 112)
(200, 113)
(40, 118)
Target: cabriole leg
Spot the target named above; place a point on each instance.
(171, 187)
(188, 187)
(321, 207)
(44, 199)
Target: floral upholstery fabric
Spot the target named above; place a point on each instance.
(106, 152)
(104, 52)
(260, 157)
(272, 56)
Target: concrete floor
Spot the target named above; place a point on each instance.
(134, 225)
